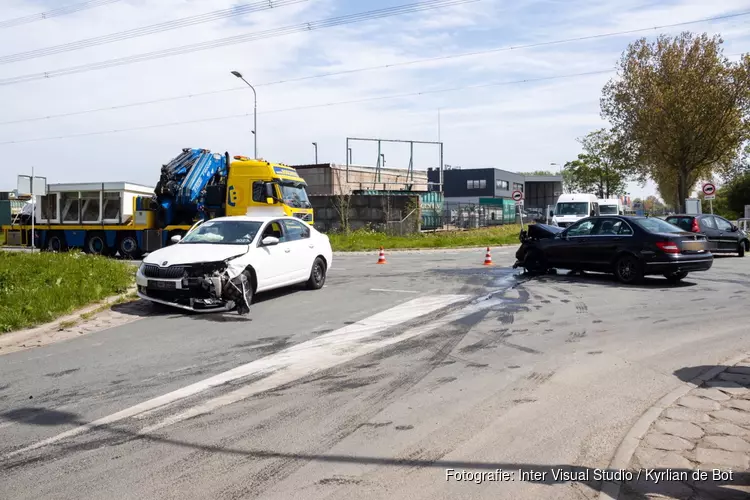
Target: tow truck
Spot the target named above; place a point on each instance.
(129, 220)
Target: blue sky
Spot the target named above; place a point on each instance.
(513, 126)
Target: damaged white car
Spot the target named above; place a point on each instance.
(221, 263)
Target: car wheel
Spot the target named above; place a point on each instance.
(245, 286)
(534, 262)
(741, 249)
(676, 277)
(628, 270)
(317, 275)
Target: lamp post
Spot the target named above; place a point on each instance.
(315, 145)
(255, 113)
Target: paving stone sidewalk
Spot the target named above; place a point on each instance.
(708, 430)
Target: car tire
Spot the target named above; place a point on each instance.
(534, 263)
(247, 283)
(676, 277)
(317, 275)
(741, 249)
(628, 270)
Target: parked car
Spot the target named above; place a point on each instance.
(628, 247)
(722, 235)
(220, 264)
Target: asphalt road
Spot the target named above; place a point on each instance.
(369, 388)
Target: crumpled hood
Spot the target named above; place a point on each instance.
(540, 231)
(191, 253)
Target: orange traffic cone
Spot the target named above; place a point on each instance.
(381, 257)
(488, 258)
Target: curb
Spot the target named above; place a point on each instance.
(626, 450)
(70, 317)
(442, 249)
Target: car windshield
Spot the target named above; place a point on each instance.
(224, 232)
(295, 195)
(655, 225)
(573, 208)
(608, 209)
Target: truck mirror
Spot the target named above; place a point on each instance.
(269, 190)
(269, 200)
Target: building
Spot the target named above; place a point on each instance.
(469, 186)
(331, 179)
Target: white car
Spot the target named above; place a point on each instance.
(221, 263)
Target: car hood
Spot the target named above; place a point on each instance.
(540, 231)
(191, 253)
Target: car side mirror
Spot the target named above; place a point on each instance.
(734, 228)
(270, 241)
(176, 238)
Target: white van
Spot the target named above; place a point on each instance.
(611, 206)
(571, 208)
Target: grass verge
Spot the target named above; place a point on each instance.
(369, 240)
(37, 288)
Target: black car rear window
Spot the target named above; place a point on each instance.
(654, 225)
(685, 223)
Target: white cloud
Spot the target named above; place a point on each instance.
(523, 126)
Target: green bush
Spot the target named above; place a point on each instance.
(371, 240)
(39, 287)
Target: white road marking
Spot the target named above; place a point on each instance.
(393, 291)
(311, 356)
(313, 359)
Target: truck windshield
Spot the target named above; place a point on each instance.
(573, 208)
(608, 209)
(295, 195)
(224, 232)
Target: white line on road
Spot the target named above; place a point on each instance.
(393, 291)
(313, 355)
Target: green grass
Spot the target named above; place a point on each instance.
(40, 287)
(369, 240)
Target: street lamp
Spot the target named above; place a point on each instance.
(255, 113)
(382, 155)
(315, 145)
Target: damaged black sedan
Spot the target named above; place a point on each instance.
(628, 247)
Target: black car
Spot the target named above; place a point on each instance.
(628, 247)
(722, 235)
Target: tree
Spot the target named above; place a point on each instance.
(603, 168)
(682, 106)
(738, 195)
(540, 173)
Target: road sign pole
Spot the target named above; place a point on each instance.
(33, 209)
(711, 205)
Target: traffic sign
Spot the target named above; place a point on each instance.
(709, 189)
(709, 197)
(517, 196)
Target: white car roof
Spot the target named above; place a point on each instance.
(249, 218)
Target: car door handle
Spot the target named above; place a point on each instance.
(287, 250)
(311, 245)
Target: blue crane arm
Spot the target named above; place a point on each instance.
(206, 166)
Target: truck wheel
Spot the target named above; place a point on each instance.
(95, 244)
(128, 247)
(56, 242)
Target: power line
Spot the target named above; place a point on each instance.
(248, 37)
(372, 68)
(149, 30)
(60, 11)
(312, 106)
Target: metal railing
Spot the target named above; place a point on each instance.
(743, 224)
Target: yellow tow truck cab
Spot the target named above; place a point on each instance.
(253, 183)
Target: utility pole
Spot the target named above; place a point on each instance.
(33, 210)
(315, 145)
(255, 113)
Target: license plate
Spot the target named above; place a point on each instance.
(162, 285)
(693, 246)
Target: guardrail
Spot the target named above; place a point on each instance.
(743, 224)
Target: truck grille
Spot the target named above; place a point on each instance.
(303, 216)
(172, 272)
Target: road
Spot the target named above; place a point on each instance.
(369, 388)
